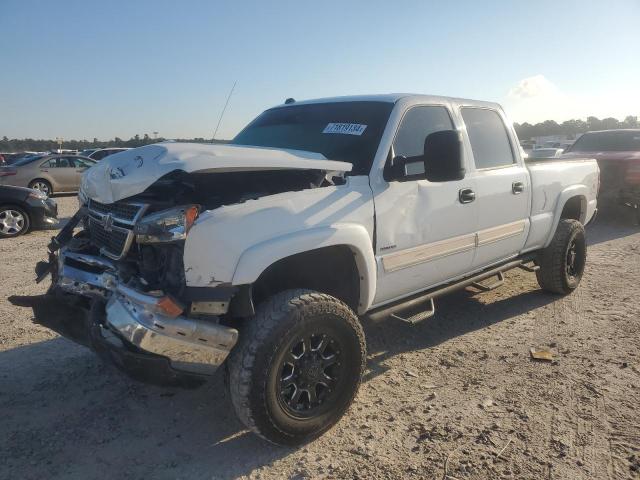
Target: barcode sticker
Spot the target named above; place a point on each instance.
(345, 128)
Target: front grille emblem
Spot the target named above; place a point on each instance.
(107, 222)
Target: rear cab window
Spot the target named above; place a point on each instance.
(489, 139)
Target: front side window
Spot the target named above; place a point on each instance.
(344, 131)
(488, 136)
(416, 125)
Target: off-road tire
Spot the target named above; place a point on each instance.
(253, 368)
(553, 274)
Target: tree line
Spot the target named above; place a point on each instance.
(10, 145)
(573, 128)
(525, 131)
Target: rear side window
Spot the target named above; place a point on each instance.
(488, 136)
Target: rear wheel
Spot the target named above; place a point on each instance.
(562, 262)
(14, 221)
(297, 367)
(43, 186)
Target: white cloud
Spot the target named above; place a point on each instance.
(535, 99)
(535, 86)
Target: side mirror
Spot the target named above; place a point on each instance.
(443, 160)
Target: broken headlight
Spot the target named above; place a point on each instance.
(166, 226)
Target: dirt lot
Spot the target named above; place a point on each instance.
(457, 393)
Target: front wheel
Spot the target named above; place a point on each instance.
(562, 262)
(14, 221)
(297, 366)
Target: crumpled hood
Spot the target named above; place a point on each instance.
(128, 173)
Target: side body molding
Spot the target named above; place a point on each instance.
(257, 258)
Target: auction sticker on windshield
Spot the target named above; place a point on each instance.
(345, 128)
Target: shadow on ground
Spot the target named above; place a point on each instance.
(456, 314)
(70, 415)
(612, 222)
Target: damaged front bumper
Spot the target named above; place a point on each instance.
(133, 320)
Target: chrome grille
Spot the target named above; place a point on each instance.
(112, 243)
(111, 226)
(121, 211)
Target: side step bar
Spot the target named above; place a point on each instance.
(395, 310)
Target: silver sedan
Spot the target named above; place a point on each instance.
(47, 173)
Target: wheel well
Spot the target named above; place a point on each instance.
(574, 209)
(330, 270)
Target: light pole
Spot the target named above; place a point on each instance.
(59, 140)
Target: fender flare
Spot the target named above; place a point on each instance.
(581, 191)
(259, 257)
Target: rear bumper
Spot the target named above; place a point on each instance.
(131, 320)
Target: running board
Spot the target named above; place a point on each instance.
(491, 286)
(418, 317)
(530, 269)
(417, 299)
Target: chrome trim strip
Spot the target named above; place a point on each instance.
(451, 246)
(428, 252)
(501, 232)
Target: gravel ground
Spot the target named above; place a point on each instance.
(457, 395)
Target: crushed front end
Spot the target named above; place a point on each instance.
(118, 269)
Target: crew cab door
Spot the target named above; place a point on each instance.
(425, 231)
(502, 186)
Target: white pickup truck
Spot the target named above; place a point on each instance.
(264, 253)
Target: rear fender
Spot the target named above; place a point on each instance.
(586, 209)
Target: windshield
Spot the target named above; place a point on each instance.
(344, 131)
(608, 142)
(25, 160)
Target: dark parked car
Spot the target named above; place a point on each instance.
(23, 209)
(618, 155)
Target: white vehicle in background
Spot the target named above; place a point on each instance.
(265, 252)
(545, 153)
(100, 153)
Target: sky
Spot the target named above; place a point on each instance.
(85, 69)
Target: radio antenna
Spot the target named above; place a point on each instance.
(223, 110)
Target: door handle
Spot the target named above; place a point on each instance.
(466, 195)
(517, 187)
